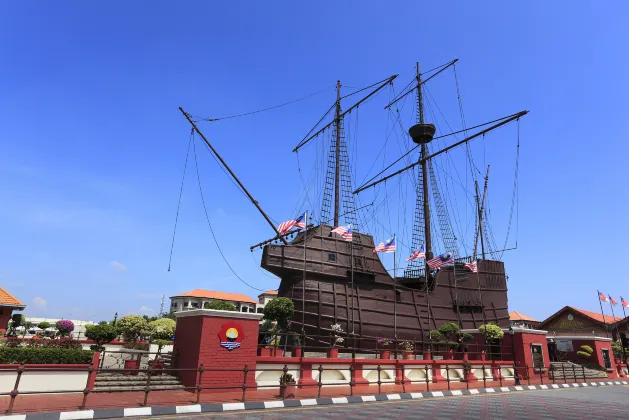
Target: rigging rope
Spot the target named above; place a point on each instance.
(262, 110)
(514, 194)
(207, 217)
(183, 178)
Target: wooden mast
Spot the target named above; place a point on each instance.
(253, 200)
(424, 165)
(337, 171)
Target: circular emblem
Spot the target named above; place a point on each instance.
(231, 335)
(570, 317)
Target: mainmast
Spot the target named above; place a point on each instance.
(337, 152)
(422, 134)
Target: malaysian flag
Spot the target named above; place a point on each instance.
(441, 260)
(386, 246)
(417, 254)
(299, 223)
(345, 232)
(612, 300)
(472, 267)
(602, 297)
(624, 302)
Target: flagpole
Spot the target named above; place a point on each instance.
(614, 317)
(395, 291)
(598, 294)
(624, 355)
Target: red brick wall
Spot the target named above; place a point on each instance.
(4, 318)
(197, 342)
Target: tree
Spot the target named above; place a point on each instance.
(281, 310)
(101, 334)
(162, 331)
(132, 327)
(220, 305)
(43, 325)
(491, 331)
(64, 327)
(169, 315)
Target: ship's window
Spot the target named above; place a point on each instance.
(470, 309)
(358, 262)
(332, 256)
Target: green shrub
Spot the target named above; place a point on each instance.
(219, 305)
(101, 334)
(280, 309)
(28, 355)
(587, 349)
(132, 327)
(162, 329)
(434, 335)
(491, 331)
(466, 337)
(584, 354)
(43, 325)
(449, 328)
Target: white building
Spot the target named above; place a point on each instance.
(197, 298)
(79, 326)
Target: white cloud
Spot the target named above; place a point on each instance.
(144, 310)
(118, 266)
(39, 302)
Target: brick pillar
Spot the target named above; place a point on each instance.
(200, 339)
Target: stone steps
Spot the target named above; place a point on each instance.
(569, 370)
(116, 382)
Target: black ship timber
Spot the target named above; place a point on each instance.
(332, 281)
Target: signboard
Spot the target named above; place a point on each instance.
(231, 335)
(564, 345)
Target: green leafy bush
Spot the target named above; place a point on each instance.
(162, 329)
(449, 328)
(491, 331)
(587, 349)
(219, 305)
(132, 327)
(434, 335)
(136, 346)
(101, 334)
(466, 337)
(43, 325)
(280, 309)
(584, 354)
(28, 355)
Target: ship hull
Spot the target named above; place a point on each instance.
(367, 303)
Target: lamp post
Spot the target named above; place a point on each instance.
(515, 369)
(115, 318)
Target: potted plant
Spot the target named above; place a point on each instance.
(434, 336)
(281, 311)
(297, 346)
(467, 371)
(101, 334)
(336, 340)
(493, 334)
(384, 353)
(407, 348)
(287, 386)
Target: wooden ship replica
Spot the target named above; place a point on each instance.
(333, 281)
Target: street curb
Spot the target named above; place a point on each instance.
(215, 408)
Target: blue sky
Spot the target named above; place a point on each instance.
(92, 145)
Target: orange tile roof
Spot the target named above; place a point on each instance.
(517, 316)
(210, 294)
(8, 299)
(597, 316)
(269, 292)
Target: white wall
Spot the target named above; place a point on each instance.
(44, 381)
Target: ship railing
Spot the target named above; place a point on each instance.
(311, 378)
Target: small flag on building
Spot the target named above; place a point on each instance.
(441, 260)
(417, 254)
(344, 232)
(612, 300)
(299, 223)
(387, 246)
(472, 267)
(624, 302)
(602, 297)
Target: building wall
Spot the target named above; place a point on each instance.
(44, 381)
(187, 303)
(573, 323)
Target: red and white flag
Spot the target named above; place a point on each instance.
(624, 302)
(612, 300)
(602, 297)
(344, 232)
(417, 254)
(299, 223)
(472, 267)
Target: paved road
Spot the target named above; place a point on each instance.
(579, 403)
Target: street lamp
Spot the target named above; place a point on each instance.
(115, 318)
(515, 369)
